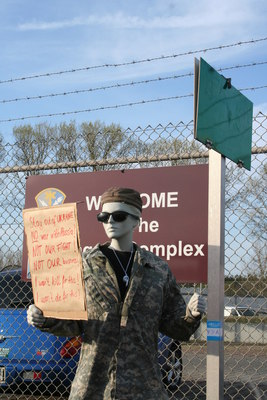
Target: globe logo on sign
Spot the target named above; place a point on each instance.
(47, 198)
(50, 197)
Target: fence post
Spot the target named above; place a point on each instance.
(215, 353)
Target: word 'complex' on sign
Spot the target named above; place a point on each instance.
(55, 261)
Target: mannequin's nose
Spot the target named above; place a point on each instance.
(110, 218)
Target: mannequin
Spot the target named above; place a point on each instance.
(131, 294)
(121, 233)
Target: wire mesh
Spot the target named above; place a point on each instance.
(46, 149)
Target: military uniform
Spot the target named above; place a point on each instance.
(119, 357)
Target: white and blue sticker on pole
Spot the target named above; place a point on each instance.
(214, 331)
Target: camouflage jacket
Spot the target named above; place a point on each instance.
(119, 358)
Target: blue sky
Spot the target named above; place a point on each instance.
(57, 35)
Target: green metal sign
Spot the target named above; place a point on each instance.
(222, 115)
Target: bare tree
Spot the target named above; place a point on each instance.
(260, 260)
(32, 145)
(68, 144)
(255, 200)
(10, 260)
(2, 148)
(176, 148)
(104, 141)
(246, 198)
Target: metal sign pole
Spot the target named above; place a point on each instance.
(215, 350)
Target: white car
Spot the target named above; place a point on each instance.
(238, 311)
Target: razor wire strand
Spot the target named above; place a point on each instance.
(135, 62)
(114, 86)
(120, 85)
(116, 106)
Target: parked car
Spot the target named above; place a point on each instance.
(239, 311)
(33, 359)
(171, 362)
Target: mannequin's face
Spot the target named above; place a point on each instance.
(119, 230)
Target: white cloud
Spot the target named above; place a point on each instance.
(51, 25)
(205, 15)
(144, 31)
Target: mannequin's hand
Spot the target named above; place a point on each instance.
(197, 305)
(35, 316)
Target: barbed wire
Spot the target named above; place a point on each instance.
(254, 88)
(98, 108)
(119, 85)
(116, 85)
(101, 108)
(252, 64)
(134, 62)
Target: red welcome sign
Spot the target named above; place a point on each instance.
(174, 223)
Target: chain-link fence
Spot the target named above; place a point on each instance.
(50, 364)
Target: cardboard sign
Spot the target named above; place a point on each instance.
(55, 261)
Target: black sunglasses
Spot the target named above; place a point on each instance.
(117, 216)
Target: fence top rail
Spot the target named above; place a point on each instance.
(106, 162)
(114, 161)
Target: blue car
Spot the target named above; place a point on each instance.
(33, 360)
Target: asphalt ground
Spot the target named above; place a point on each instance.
(245, 371)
